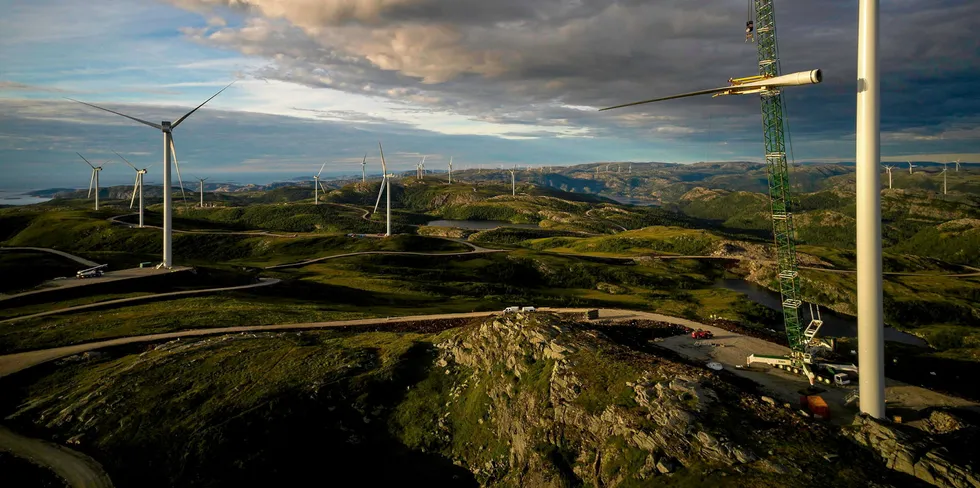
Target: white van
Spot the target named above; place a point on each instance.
(528, 309)
(512, 309)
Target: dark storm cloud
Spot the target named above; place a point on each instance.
(523, 62)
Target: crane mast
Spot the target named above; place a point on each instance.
(777, 169)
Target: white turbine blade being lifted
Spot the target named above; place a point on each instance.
(151, 124)
(378, 202)
(173, 152)
(127, 161)
(743, 86)
(188, 114)
(83, 159)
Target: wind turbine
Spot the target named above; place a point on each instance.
(450, 170)
(136, 187)
(513, 181)
(202, 180)
(363, 174)
(957, 163)
(944, 177)
(385, 184)
(910, 167)
(94, 180)
(168, 151)
(889, 170)
(317, 186)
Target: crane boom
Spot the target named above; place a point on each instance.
(777, 169)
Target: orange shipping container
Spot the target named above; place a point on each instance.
(818, 407)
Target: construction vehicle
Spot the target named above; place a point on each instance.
(702, 334)
(92, 272)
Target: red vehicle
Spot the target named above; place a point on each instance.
(702, 334)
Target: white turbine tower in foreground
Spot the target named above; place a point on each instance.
(871, 318)
(317, 186)
(168, 151)
(385, 185)
(889, 170)
(93, 181)
(138, 187)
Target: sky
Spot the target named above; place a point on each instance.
(489, 83)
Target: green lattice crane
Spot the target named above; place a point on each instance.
(768, 84)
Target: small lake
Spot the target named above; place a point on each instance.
(834, 324)
(639, 202)
(479, 224)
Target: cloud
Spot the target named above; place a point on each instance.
(540, 63)
(23, 87)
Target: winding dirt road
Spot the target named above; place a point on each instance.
(79, 470)
(119, 301)
(77, 259)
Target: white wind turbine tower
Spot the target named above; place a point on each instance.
(317, 186)
(957, 163)
(450, 170)
(169, 151)
(363, 174)
(202, 180)
(944, 177)
(513, 181)
(910, 167)
(136, 187)
(889, 170)
(385, 185)
(94, 180)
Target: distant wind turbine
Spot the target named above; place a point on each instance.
(957, 163)
(385, 185)
(94, 180)
(317, 186)
(450, 170)
(513, 181)
(363, 174)
(910, 167)
(136, 187)
(202, 180)
(168, 151)
(889, 170)
(944, 177)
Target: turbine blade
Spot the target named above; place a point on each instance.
(363, 161)
(83, 158)
(321, 169)
(173, 151)
(124, 159)
(188, 114)
(91, 183)
(682, 95)
(135, 187)
(383, 180)
(151, 124)
(384, 167)
(324, 190)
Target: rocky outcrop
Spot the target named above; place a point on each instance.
(908, 451)
(563, 402)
